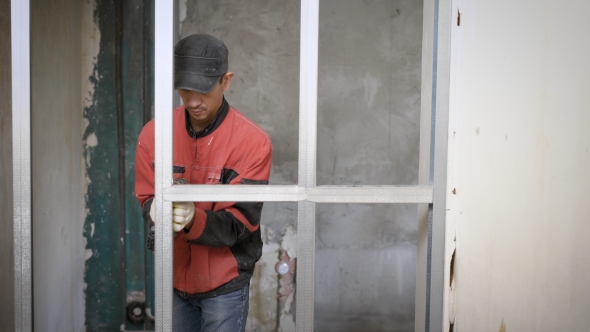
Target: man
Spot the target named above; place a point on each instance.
(217, 243)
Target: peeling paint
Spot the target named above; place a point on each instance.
(135, 296)
(452, 293)
(287, 281)
(287, 296)
(87, 254)
(90, 49)
(91, 141)
(264, 288)
(97, 91)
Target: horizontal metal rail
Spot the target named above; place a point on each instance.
(370, 194)
(321, 194)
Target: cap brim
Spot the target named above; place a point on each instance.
(198, 83)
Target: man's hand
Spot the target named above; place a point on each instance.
(183, 214)
(153, 212)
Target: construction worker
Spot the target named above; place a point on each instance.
(216, 243)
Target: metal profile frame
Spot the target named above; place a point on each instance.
(441, 73)
(305, 193)
(20, 41)
(164, 43)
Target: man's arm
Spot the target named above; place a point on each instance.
(230, 222)
(144, 172)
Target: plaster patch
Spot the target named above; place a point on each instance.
(287, 322)
(290, 242)
(270, 234)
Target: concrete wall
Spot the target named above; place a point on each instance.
(368, 132)
(519, 161)
(58, 249)
(6, 214)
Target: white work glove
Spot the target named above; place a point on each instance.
(183, 214)
(153, 212)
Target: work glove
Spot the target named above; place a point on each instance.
(183, 214)
(153, 212)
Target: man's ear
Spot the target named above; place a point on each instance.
(227, 80)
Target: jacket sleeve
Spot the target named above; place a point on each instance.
(144, 172)
(230, 222)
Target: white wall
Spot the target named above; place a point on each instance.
(58, 249)
(519, 161)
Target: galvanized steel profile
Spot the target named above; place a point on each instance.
(164, 45)
(20, 20)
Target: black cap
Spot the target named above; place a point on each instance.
(199, 62)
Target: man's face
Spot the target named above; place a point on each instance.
(202, 107)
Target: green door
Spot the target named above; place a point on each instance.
(119, 270)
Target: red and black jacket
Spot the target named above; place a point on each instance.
(218, 254)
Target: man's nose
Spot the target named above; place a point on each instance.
(195, 99)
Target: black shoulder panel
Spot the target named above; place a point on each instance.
(227, 175)
(248, 181)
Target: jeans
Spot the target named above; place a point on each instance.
(224, 313)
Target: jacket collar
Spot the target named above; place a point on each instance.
(219, 117)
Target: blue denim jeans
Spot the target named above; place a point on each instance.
(224, 313)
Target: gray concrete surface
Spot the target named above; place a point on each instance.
(58, 248)
(368, 133)
(6, 228)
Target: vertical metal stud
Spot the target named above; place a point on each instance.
(305, 266)
(163, 41)
(20, 14)
(308, 93)
(307, 162)
(439, 148)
